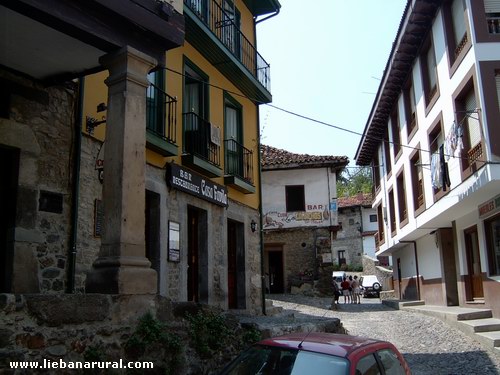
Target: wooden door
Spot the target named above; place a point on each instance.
(232, 246)
(193, 272)
(475, 279)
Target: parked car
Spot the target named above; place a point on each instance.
(319, 354)
(371, 286)
(338, 276)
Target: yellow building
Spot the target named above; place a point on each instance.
(202, 152)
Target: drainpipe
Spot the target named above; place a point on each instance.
(416, 265)
(70, 288)
(261, 232)
(270, 16)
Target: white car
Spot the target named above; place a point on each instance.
(370, 285)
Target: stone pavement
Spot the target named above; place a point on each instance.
(429, 344)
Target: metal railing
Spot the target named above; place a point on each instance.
(227, 31)
(238, 161)
(161, 114)
(198, 140)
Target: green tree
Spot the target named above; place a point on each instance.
(354, 180)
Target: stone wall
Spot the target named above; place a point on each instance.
(96, 327)
(302, 253)
(40, 125)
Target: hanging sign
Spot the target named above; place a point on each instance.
(192, 183)
(99, 164)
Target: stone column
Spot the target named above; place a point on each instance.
(122, 267)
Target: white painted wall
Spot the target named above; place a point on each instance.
(429, 260)
(320, 189)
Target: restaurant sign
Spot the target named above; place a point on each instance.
(490, 207)
(192, 183)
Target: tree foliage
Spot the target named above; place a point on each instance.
(352, 181)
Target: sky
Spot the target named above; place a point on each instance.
(327, 58)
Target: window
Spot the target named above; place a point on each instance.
(231, 20)
(396, 139)
(295, 199)
(390, 362)
(376, 172)
(373, 218)
(436, 147)
(197, 129)
(367, 366)
(410, 109)
(387, 154)
(468, 117)
(380, 219)
(492, 229)
(342, 259)
(459, 28)
(492, 10)
(429, 74)
(417, 180)
(392, 212)
(402, 210)
(155, 106)
(233, 129)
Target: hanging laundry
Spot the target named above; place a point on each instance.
(436, 171)
(445, 175)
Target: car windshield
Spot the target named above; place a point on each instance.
(267, 360)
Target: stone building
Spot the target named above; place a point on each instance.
(299, 204)
(357, 227)
(132, 156)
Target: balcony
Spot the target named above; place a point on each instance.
(201, 152)
(161, 120)
(213, 32)
(238, 167)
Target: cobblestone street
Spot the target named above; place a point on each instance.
(429, 345)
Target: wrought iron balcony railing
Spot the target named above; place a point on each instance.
(222, 25)
(238, 161)
(198, 140)
(161, 114)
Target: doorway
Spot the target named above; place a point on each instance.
(235, 265)
(152, 232)
(474, 280)
(197, 275)
(274, 277)
(9, 170)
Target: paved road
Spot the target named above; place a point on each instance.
(429, 345)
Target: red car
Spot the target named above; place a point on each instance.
(319, 354)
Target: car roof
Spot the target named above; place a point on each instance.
(320, 342)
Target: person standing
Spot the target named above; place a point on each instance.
(345, 289)
(356, 292)
(336, 295)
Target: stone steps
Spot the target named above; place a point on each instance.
(477, 323)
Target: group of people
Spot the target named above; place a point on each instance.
(349, 288)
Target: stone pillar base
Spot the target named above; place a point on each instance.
(121, 279)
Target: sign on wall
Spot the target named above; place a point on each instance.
(490, 207)
(174, 246)
(190, 182)
(314, 215)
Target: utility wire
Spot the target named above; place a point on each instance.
(362, 135)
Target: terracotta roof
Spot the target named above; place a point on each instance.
(361, 199)
(275, 158)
